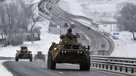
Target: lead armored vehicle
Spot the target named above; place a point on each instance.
(23, 53)
(69, 50)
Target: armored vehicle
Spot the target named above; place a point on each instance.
(23, 53)
(69, 50)
(39, 56)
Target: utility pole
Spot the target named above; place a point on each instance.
(60, 29)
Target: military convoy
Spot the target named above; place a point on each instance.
(23, 53)
(69, 50)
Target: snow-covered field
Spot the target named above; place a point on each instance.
(3, 70)
(97, 9)
(125, 46)
(71, 6)
(42, 45)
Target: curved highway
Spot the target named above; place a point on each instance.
(97, 40)
(100, 44)
(38, 68)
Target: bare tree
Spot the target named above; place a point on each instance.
(127, 18)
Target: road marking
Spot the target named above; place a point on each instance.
(61, 72)
(3, 70)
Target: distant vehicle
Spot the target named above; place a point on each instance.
(23, 53)
(69, 51)
(39, 56)
(115, 35)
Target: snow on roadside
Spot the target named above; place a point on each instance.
(3, 70)
(71, 6)
(42, 45)
(125, 46)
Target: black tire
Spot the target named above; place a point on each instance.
(51, 64)
(85, 65)
(16, 59)
(31, 58)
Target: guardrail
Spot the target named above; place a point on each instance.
(56, 13)
(115, 64)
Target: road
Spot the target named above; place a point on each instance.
(25, 68)
(95, 39)
(100, 44)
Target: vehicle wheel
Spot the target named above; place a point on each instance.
(85, 65)
(51, 64)
(16, 59)
(31, 59)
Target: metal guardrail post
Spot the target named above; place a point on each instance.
(96, 65)
(126, 69)
(107, 67)
(110, 67)
(99, 65)
(102, 66)
(120, 68)
(115, 68)
(93, 65)
(132, 70)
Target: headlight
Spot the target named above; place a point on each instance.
(81, 52)
(65, 51)
(55, 48)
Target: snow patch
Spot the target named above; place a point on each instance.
(71, 6)
(42, 45)
(125, 46)
(3, 70)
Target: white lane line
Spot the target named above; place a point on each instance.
(3, 70)
(61, 72)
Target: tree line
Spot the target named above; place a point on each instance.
(126, 18)
(17, 21)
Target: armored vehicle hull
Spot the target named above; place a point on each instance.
(69, 50)
(59, 54)
(23, 54)
(39, 56)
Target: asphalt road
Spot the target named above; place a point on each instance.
(98, 43)
(25, 68)
(38, 68)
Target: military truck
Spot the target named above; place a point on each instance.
(39, 56)
(23, 53)
(69, 50)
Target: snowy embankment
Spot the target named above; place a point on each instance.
(3, 70)
(42, 45)
(125, 46)
(71, 6)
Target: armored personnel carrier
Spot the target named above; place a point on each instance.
(39, 56)
(23, 53)
(69, 50)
